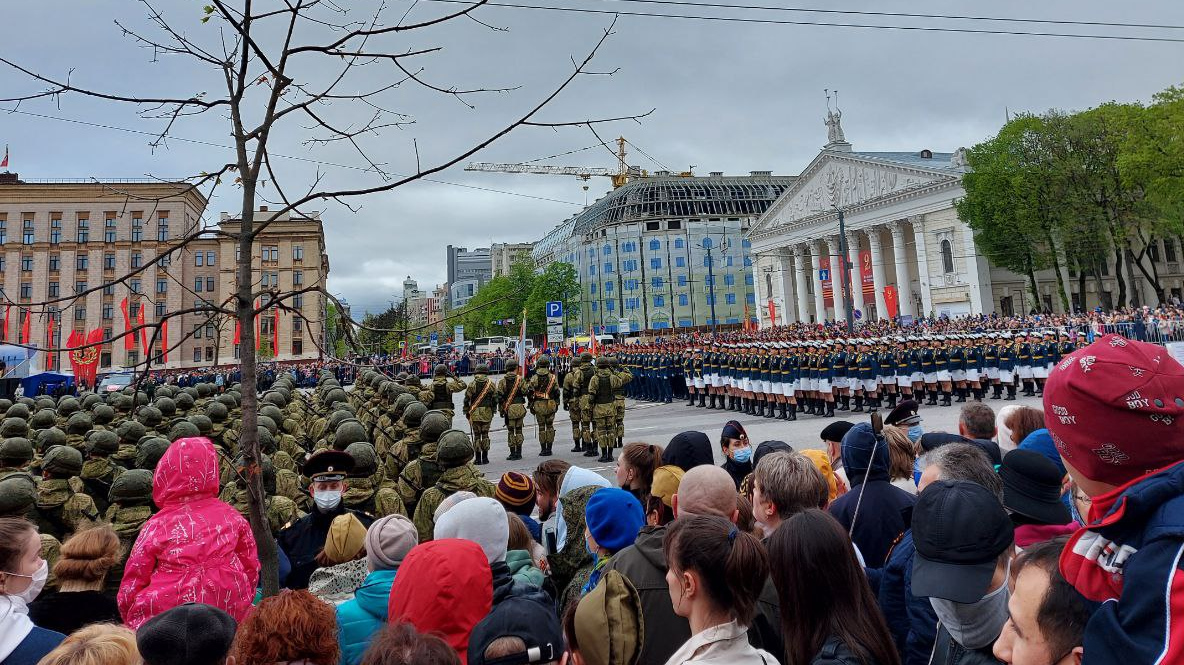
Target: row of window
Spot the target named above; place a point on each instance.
(630, 265)
(82, 230)
(683, 301)
(630, 246)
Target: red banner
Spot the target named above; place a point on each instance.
(257, 328)
(129, 340)
(164, 340)
(143, 331)
(865, 269)
(890, 301)
(238, 331)
(275, 334)
(772, 312)
(7, 309)
(49, 343)
(72, 343)
(91, 354)
(25, 336)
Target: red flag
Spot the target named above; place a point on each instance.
(49, 342)
(73, 342)
(4, 162)
(7, 308)
(275, 335)
(129, 340)
(93, 339)
(164, 340)
(238, 331)
(772, 313)
(890, 301)
(25, 326)
(257, 327)
(143, 330)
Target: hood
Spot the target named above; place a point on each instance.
(688, 450)
(649, 546)
(575, 478)
(481, 520)
(1041, 441)
(858, 460)
(446, 587)
(375, 593)
(188, 471)
(456, 479)
(15, 625)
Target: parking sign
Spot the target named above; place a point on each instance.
(554, 309)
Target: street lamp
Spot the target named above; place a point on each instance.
(846, 272)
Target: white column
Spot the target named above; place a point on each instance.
(919, 240)
(855, 273)
(816, 251)
(785, 265)
(978, 304)
(904, 282)
(758, 287)
(877, 250)
(800, 274)
(836, 256)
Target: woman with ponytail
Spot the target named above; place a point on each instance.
(81, 573)
(636, 466)
(715, 575)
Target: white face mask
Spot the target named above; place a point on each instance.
(35, 586)
(974, 625)
(327, 500)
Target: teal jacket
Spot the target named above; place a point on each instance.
(522, 568)
(360, 618)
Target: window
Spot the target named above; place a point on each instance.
(137, 259)
(236, 352)
(750, 298)
(656, 264)
(104, 359)
(608, 287)
(79, 287)
(632, 303)
(652, 226)
(631, 284)
(199, 259)
(682, 300)
(728, 261)
(109, 289)
(271, 253)
(238, 256)
(679, 243)
(706, 261)
(747, 262)
(297, 277)
(109, 230)
(83, 230)
(682, 280)
(297, 347)
(748, 281)
(26, 263)
(27, 232)
(55, 262)
(3, 231)
(107, 334)
(730, 280)
(674, 225)
(657, 282)
(162, 227)
(26, 290)
(55, 231)
(133, 309)
(947, 256)
(108, 312)
(680, 262)
(608, 268)
(591, 270)
(197, 284)
(297, 252)
(133, 357)
(54, 290)
(161, 309)
(708, 243)
(79, 313)
(655, 245)
(209, 354)
(197, 355)
(137, 229)
(659, 301)
(209, 332)
(162, 285)
(81, 263)
(109, 261)
(1169, 250)
(730, 298)
(196, 331)
(1152, 249)
(592, 288)
(595, 306)
(210, 258)
(610, 305)
(210, 284)
(608, 249)
(134, 285)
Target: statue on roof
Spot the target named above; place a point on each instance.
(834, 130)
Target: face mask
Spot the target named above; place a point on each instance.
(974, 625)
(742, 456)
(915, 433)
(35, 586)
(327, 500)
(594, 555)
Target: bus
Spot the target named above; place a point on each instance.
(490, 344)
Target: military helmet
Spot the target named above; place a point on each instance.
(43, 403)
(62, 461)
(14, 426)
(266, 468)
(401, 403)
(511, 365)
(150, 416)
(103, 414)
(123, 404)
(365, 459)
(335, 395)
(18, 410)
(454, 449)
(184, 401)
(132, 487)
(273, 412)
(28, 402)
(131, 431)
(217, 412)
(401, 377)
(79, 423)
(165, 391)
(67, 406)
(5, 404)
(613, 363)
(102, 442)
(414, 413)
(227, 400)
(585, 357)
(16, 451)
(542, 363)
(149, 451)
(433, 424)
(481, 368)
(18, 493)
(266, 440)
(203, 423)
(335, 419)
(183, 429)
(290, 426)
(349, 431)
(42, 419)
(276, 398)
(168, 408)
(191, 391)
(269, 423)
(440, 370)
(48, 438)
(204, 389)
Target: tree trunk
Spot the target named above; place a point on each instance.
(1054, 253)
(1081, 287)
(1136, 297)
(1035, 290)
(1118, 276)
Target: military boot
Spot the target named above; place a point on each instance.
(1010, 394)
(830, 409)
(858, 404)
(997, 392)
(605, 455)
(946, 398)
(590, 452)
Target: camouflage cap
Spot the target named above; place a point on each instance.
(62, 461)
(585, 357)
(16, 451)
(18, 493)
(433, 424)
(454, 449)
(149, 451)
(414, 413)
(131, 487)
(542, 363)
(511, 364)
(481, 368)
(102, 442)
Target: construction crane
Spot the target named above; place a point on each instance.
(623, 174)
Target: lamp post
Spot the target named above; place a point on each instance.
(707, 245)
(846, 272)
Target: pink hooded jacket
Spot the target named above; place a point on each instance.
(196, 549)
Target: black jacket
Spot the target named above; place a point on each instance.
(305, 539)
(736, 470)
(835, 652)
(66, 612)
(946, 651)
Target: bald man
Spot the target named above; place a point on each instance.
(704, 490)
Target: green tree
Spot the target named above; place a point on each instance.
(558, 282)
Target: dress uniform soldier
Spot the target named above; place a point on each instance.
(710, 374)
(511, 404)
(1008, 349)
(957, 365)
(438, 394)
(480, 403)
(544, 393)
(600, 389)
(626, 378)
(990, 367)
(1023, 362)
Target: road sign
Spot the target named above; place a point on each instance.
(554, 308)
(823, 274)
(458, 334)
(434, 340)
(858, 314)
(623, 326)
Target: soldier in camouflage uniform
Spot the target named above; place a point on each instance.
(150, 450)
(98, 471)
(438, 394)
(279, 510)
(511, 404)
(544, 393)
(76, 428)
(423, 471)
(43, 419)
(390, 428)
(407, 448)
(454, 454)
(16, 454)
(626, 377)
(129, 507)
(600, 390)
(103, 415)
(129, 432)
(66, 408)
(572, 389)
(480, 402)
(61, 510)
(218, 415)
(365, 492)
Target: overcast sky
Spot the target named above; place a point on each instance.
(729, 96)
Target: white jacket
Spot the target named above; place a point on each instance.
(725, 644)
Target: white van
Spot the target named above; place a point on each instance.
(513, 344)
(490, 344)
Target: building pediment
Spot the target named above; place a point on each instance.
(852, 180)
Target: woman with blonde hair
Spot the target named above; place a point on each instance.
(81, 573)
(100, 644)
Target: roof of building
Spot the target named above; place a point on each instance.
(939, 160)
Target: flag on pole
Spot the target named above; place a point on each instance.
(129, 340)
(143, 330)
(49, 342)
(257, 327)
(7, 309)
(4, 162)
(164, 340)
(238, 331)
(522, 345)
(275, 335)
(25, 338)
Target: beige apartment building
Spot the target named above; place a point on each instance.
(64, 243)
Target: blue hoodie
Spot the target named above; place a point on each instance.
(360, 618)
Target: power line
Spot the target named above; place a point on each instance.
(831, 24)
(308, 160)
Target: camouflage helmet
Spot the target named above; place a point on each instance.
(183, 429)
(349, 431)
(14, 426)
(18, 493)
(140, 398)
(16, 451)
(168, 408)
(18, 410)
(217, 412)
(335, 419)
(131, 431)
(165, 391)
(123, 404)
(150, 416)
(267, 469)
(203, 423)
(434, 424)
(149, 451)
(42, 419)
(204, 389)
(103, 414)
(511, 365)
(79, 423)
(347, 407)
(401, 377)
(227, 400)
(28, 402)
(440, 370)
(290, 426)
(184, 401)
(102, 442)
(481, 368)
(273, 412)
(48, 438)
(613, 363)
(267, 423)
(90, 400)
(266, 440)
(132, 487)
(542, 363)
(454, 449)
(414, 413)
(43, 403)
(585, 357)
(275, 398)
(191, 391)
(335, 395)
(67, 406)
(5, 404)
(365, 459)
(401, 403)
(63, 461)
(413, 382)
